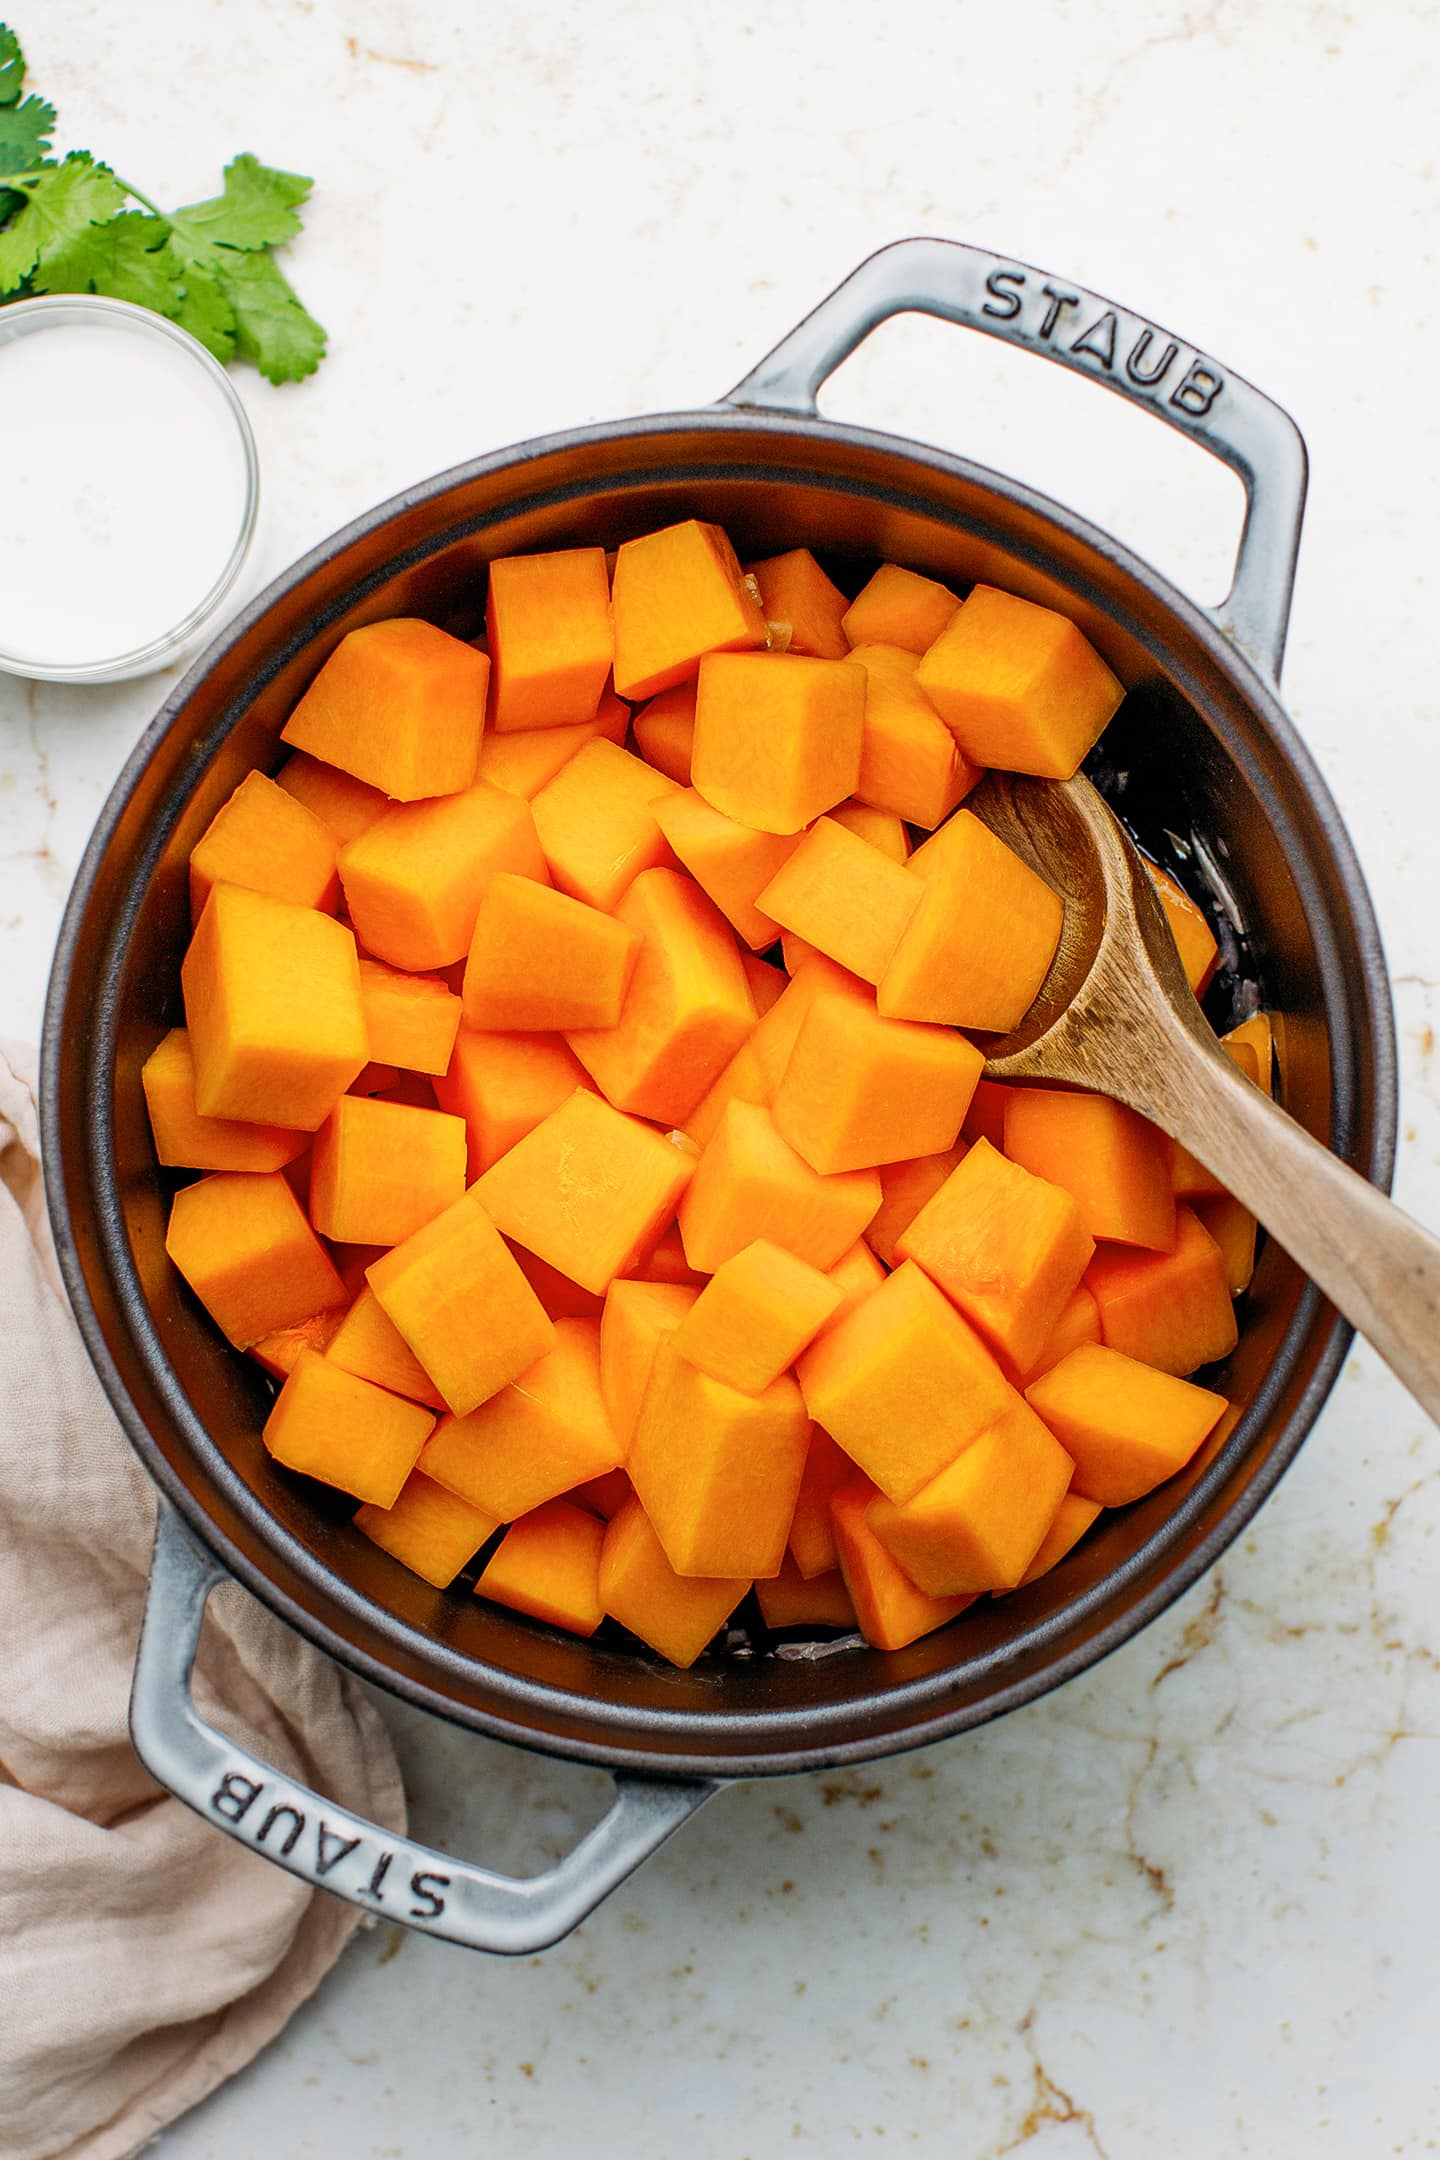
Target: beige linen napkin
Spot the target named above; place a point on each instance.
(143, 1956)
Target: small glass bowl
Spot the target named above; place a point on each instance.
(29, 318)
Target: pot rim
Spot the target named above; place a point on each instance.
(716, 1742)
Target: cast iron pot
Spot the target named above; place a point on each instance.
(1208, 751)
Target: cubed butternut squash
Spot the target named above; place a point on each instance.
(503, 1085)
(400, 705)
(1112, 1161)
(750, 1183)
(534, 1438)
(733, 863)
(459, 1299)
(665, 732)
(636, 1316)
(980, 943)
(351, 1434)
(548, 628)
(344, 805)
(978, 1525)
(676, 1615)
(414, 881)
(186, 1141)
(428, 1530)
(242, 1242)
(900, 607)
(910, 763)
(1126, 1426)
(890, 1609)
(755, 1315)
(777, 737)
(843, 897)
(795, 592)
(411, 1020)
(1171, 1310)
(548, 1566)
(266, 840)
(539, 960)
(1018, 685)
(597, 825)
(381, 1170)
(522, 763)
(860, 1090)
(678, 594)
(790, 1600)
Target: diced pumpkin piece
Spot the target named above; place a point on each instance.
(1257, 1035)
(1018, 685)
(903, 1383)
(1171, 1310)
(733, 863)
(413, 883)
(777, 737)
(347, 1432)
(1079, 1322)
(278, 1352)
(980, 943)
(597, 826)
(860, 1090)
(368, 1344)
(676, 1615)
(1194, 939)
(716, 1471)
(743, 1080)
(899, 607)
(1189, 1178)
(1234, 1230)
(381, 1170)
(1110, 1159)
(1074, 1516)
(985, 1119)
(904, 1189)
(665, 732)
(881, 829)
(636, 1315)
(978, 1525)
(272, 1006)
(666, 1262)
(503, 1085)
(186, 1141)
(855, 1274)
(750, 1183)
(789, 1600)
(428, 1530)
(603, 1496)
(686, 1012)
(522, 763)
(544, 1431)
(411, 1020)
(399, 704)
(1126, 1426)
(344, 805)
(767, 983)
(242, 1243)
(755, 1315)
(794, 590)
(811, 1543)
(844, 897)
(589, 1189)
(539, 959)
(561, 1298)
(1007, 1247)
(548, 1565)
(459, 1299)
(909, 762)
(264, 839)
(547, 624)
(890, 1609)
(678, 594)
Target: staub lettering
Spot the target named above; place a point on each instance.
(283, 1826)
(1111, 341)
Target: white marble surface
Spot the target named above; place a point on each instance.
(1185, 1906)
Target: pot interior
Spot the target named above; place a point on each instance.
(1199, 755)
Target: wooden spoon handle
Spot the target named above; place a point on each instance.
(1370, 1259)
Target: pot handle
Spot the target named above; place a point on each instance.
(328, 1846)
(1081, 330)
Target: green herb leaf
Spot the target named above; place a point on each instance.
(206, 313)
(12, 66)
(25, 132)
(272, 329)
(257, 210)
(129, 257)
(59, 203)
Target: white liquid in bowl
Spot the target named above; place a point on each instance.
(125, 489)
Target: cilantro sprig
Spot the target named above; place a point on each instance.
(65, 227)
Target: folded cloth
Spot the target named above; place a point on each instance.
(144, 1956)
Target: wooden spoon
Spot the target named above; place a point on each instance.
(1116, 1014)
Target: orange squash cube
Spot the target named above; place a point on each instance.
(1126, 1426)
(678, 594)
(1079, 1322)
(381, 1170)
(1019, 685)
(979, 945)
(547, 624)
(978, 1525)
(789, 1600)
(503, 1085)
(890, 1609)
(1234, 1230)
(456, 1294)
(881, 829)
(754, 1317)
(795, 592)
(399, 704)
(278, 1352)
(1113, 1162)
(242, 1243)
(636, 1316)
(1194, 939)
(860, 1090)
(1074, 1516)
(731, 862)
(264, 839)
(675, 1615)
(414, 882)
(743, 1080)
(522, 763)
(687, 1009)
(903, 1383)
(844, 898)
(534, 1438)
(411, 1020)
(548, 1565)
(272, 1006)
(899, 607)
(665, 732)
(346, 1432)
(539, 959)
(904, 1189)
(597, 825)
(1257, 1036)
(1171, 1310)
(589, 1189)
(750, 1183)
(1006, 1247)
(811, 1544)
(909, 762)
(716, 1471)
(184, 1140)
(344, 805)
(777, 737)
(428, 1530)
(855, 1274)
(367, 1343)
